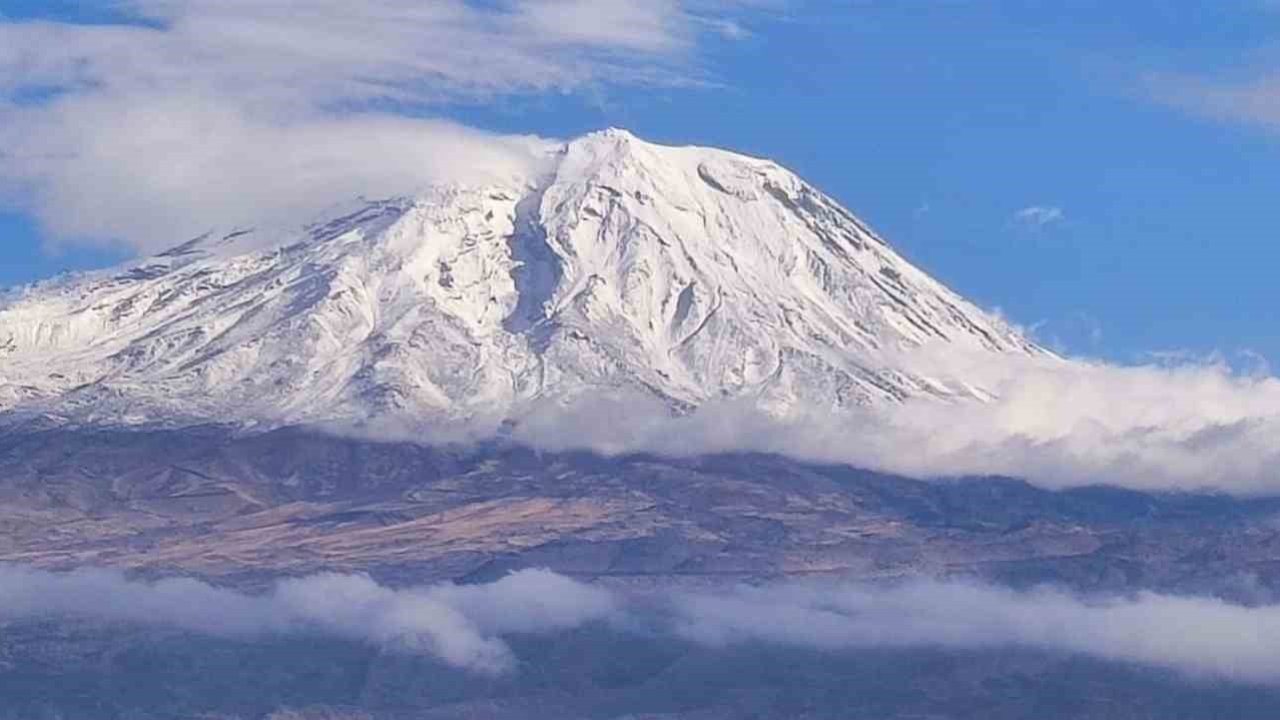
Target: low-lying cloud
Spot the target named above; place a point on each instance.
(1199, 636)
(464, 625)
(459, 625)
(1182, 426)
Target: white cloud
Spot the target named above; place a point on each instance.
(318, 52)
(464, 625)
(1179, 426)
(1039, 216)
(658, 25)
(163, 169)
(1198, 636)
(241, 112)
(459, 625)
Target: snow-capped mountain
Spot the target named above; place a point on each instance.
(690, 274)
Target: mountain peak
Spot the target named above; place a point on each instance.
(614, 135)
(683, 273)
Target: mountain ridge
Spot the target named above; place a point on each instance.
(685, 274)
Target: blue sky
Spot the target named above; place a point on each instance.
(939, 122)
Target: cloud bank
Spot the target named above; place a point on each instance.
(193, 114)
(1198, 636)
(459, 625)
(463, 625)
(1181, 425)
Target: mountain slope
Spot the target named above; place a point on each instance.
(688, 274)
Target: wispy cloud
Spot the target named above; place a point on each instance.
(1251, 101)
(464, 625)
(1039, 216)
(1076, 330)
(206, 114)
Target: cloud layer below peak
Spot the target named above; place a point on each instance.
(464, 626)
(1183, 425)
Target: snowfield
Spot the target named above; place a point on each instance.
(685, 274)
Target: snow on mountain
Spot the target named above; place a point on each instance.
(688, 274)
